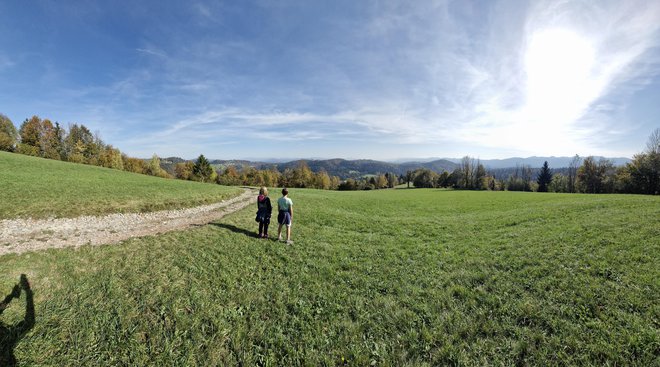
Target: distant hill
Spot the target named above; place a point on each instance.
(335, 167)
(360, 167)
(349, 168)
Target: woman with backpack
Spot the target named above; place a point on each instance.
(264, 211)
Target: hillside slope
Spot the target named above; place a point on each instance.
(42, 188)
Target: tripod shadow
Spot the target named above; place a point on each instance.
(236, 229)
(11, 335)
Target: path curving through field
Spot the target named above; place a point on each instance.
(23, 235)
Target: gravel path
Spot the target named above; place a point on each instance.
(23, 235)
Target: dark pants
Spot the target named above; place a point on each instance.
(263, 227)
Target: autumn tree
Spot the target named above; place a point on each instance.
(381, 182)
(302, 176)
(8, 134)
(48, 141)
(322, 180)
(229, 177)
(184, 170)
(111, 158)
(559, 183)
(644, 170)
(30, 133)
(392, 180)
(593, 177)
(154, 168)
(134, 165)
(334, 182)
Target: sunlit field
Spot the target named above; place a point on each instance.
(387, 278)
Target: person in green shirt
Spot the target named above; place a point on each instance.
(285, 216)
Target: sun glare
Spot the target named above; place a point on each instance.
(558, 63)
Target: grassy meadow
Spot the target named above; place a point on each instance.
(381, 278)
(42, 188)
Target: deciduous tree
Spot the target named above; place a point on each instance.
(595, 177)
(8, 134)
(154, 168)
(572, 173)
(30, 133)
(184, 170)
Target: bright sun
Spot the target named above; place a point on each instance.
(559, 64)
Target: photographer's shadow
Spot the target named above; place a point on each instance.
(11, 335)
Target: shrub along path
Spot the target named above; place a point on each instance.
(23, 235)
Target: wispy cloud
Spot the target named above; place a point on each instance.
(482, 98)
(151, 52)
(367, 75)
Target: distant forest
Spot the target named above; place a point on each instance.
(43, 138)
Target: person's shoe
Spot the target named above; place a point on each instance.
(289, 242)
(279, 238)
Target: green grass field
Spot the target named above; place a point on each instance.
(387, 278)
(41, 188)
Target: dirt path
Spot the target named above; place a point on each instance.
(23, 235)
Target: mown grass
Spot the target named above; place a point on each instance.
(41, 188)
(388, 278)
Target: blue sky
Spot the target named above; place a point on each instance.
(349, 79)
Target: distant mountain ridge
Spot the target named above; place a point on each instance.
(344, 168)
(360, 167)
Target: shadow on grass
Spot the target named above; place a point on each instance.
(236, 229)
(11, 335)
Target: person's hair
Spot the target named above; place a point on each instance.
(285, 192)
(263, 191)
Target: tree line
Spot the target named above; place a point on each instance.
(588, 175)
(299, 177)
(41, 138)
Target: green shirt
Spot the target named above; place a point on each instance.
(284, 203)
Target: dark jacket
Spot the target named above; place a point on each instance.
(264, 209)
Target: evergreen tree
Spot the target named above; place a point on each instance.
(58, 141)
(202, 169)
(544, 177)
